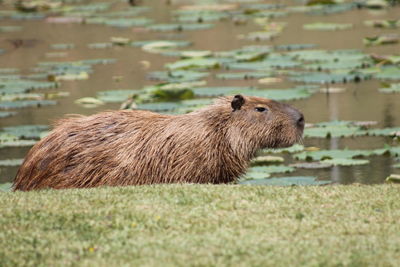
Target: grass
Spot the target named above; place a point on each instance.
(202, 225)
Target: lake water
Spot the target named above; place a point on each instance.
(360, 102)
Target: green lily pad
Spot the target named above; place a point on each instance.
(62, 46)
(255, 175)
(272, 169)
(243, 75)
(6, 187)
(384, 39)
(220, 91)
(161, 106)
(25, 104)
(345, 162)
(11, 162)
(17, 143)
(177, 76)
(319, 77)
(393, 88)
(387, 73)
(25, 131)
(112, 96)
(260, 160)
(89, 102)
(332, 154)
(334, 131)
(327, 26)
(393, 178)
(164, 42)
(180, 27)
(10, 28)
(5, 114)
(287, 181)
(292, 149)
(312, 165)
(194, 63)
(99, 45)
(383, 23)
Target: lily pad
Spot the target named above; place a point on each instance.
(194, 63)
(177, 76)
(272, 169)
(25, 104)
(292, 149)
(180, 27)
(327, 26)
(345, 162)
(312, 165)
(5, 114)
(267, 159)
(25, 131)
(6, 187)
(393, 88)
(393, 178)
(89, 102)
(332, 154)
(113, 96)
(162, 106)
(11, 162)
(287, 181)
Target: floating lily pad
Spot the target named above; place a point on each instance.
(332, 154)
(387, 73)
(319, 77)
(62, 46)
(113, 96)
(100, 45)
(292, 149)
(383, 23)
(327, 26)
(17, 143)
(177, 76)
(312, 165)
(25, 104)
(243, 75)
(6, 187)
(10, 28)
(162, 106)
(382, 39)
(25, 131)
(5, 114)
(393, 88)
(287, 181)
(345, 162)
(89, 102)
(393, 178)
(272, 169)
(11, 162)
(194, 63)
(180, 27)
(267, 159)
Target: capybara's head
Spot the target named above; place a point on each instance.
(264, 122)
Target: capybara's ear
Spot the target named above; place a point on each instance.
(237, 102)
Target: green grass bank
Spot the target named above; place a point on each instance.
(202, 225)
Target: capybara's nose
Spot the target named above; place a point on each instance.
(300, 120)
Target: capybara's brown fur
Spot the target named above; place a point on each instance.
(133, 147)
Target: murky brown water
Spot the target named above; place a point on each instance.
(361, 101)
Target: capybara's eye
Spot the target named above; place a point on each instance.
(260, 109)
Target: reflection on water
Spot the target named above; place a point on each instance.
(361, 101)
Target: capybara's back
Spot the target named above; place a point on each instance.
(116, 148)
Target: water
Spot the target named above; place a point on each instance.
(361, 101)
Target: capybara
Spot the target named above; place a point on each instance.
(134, 147)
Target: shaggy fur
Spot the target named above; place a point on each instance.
(134, 147)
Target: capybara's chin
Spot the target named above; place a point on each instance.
(134, 147)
